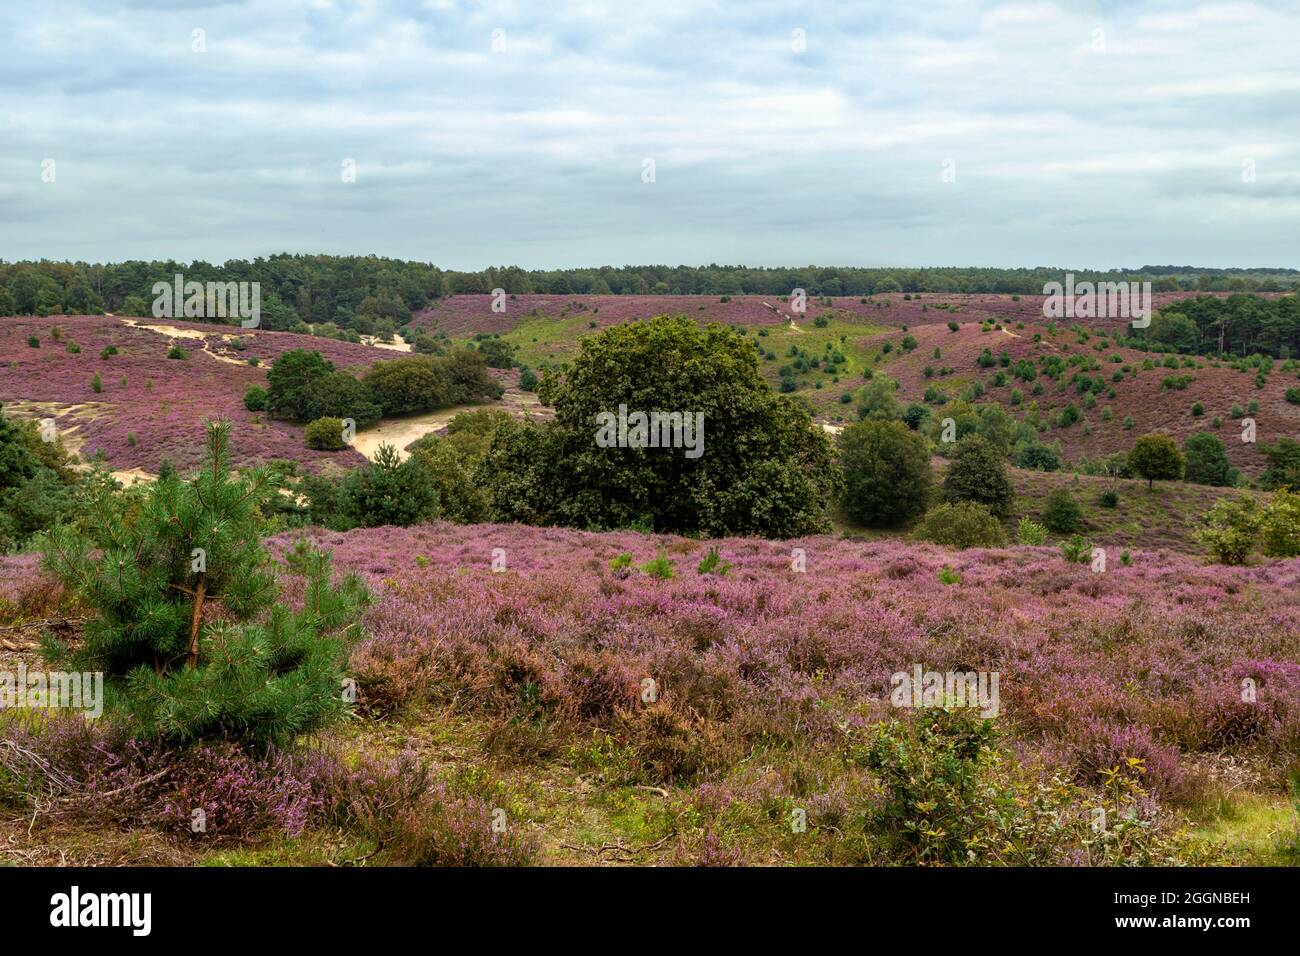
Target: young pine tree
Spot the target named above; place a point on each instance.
(189, 634)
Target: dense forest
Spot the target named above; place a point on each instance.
(348, 290)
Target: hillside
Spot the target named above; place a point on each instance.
(156, 414)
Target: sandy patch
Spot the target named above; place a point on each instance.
(397, 345)
(170, 330)
(400, 432)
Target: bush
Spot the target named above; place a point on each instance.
(1280, 525)
(977, 473)
(260, 672)
(406, 385)
(325, 434)
(1038, 456)
(527, 380)
(176, 352)
(963, 524)
(96, 385)
(1032, 533)
(1108, 498)
(886, 472)
(33, 342)
(1062, 514)
(1230, 529)
(255, 398)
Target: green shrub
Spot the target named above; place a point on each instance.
(660, 568)
(261, 673)
(1230, 529)
(1077, 550)
(96, 384)
(1062, 513)
(176, 352)
(255, 398)
(1280, 525)
(712, 563)
(1108, 498)
(962, 524)
(325, 434)
(1032, 533)
(33, 342)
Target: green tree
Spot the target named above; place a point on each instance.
(876, 399)
(759, 466)
(1283, 469)
(886, 472)
(258, 671)
(978, 473)
(1156, 457)
(389, 491)
(288, 378)
(339, 395)
(1207, 460)
(414, 384)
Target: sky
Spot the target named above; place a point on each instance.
(563, 134)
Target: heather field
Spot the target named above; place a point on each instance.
(467, 314)
(525, 689)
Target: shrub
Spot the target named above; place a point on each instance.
(74, 348)
(1108, 498)
(176, 352)
(1062, 513)
(260, 672)
(96, 385)
(1230, 529)
(977, 473)
(1077, 550)
(886, 472)
(712, 563)
(325, 434)
(660, 568)
(1032, 533)
(413, 384)
(1280, 525)
(527, 380)
(255, 398)
(947, 576)
(962, 524)
(33, 342)
(1038, 456)
(953, 326)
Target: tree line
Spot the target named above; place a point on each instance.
(357, 292)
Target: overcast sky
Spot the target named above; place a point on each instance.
(909, 132)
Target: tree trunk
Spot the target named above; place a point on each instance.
(196, 622)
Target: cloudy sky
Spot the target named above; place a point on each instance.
(558, 134)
